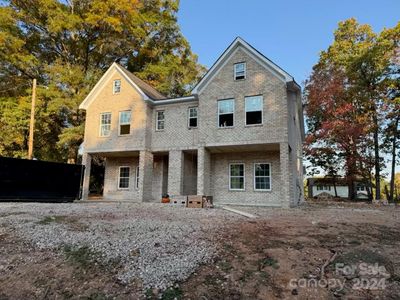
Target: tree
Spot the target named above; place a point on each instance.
(67, 45)
(350, 112)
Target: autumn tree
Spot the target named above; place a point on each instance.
(346, 97)
(67, 45)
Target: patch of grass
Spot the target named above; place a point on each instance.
(213, 279)
(81, 256)
(51, 219)
(264, 276)
(172, 293)
(225, 265)
(268, 262)
(149, 294)
(247, 274)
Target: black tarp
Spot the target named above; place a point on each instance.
(33, 180)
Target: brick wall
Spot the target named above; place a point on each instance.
(220, 179)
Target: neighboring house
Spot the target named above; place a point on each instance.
(237, 137)
(322, 186)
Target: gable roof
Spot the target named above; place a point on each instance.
(250, 50)
(144, 89)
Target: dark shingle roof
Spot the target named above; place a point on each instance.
(145, 87)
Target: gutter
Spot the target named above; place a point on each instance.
(172, 100)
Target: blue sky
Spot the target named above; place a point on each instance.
(291, 33)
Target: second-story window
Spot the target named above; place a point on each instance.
(160, 120)
(125, 122)
(105, 124)
(117, 86)
(239, 71)
(226, 109)
(254, 109)
(192, 117)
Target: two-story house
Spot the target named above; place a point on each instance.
(237, 137)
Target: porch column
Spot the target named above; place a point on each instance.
(175, 172)
(203, 171)
(285, 174)
(145, 175)
(87, 162)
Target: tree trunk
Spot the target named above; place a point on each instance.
(391, 193)
(377, 160)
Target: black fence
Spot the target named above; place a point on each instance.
(33, 180)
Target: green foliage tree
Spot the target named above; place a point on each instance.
(67, 45)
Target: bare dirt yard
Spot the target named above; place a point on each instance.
(154, 251)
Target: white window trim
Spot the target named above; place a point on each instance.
(157, 111)
(137, 178)
(119, 177)
(119, 123)
(254, 177)
(218, 114)
(244, 176)
(197, 117)
(234, 71)
(120, 85)
(262, 111)
(101, 114)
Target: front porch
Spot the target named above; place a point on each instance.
(144, 176)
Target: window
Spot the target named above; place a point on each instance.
(323, 187)
(117, 86)
(360, 188)
(225, 112)
(105, 124)
(236, 177)
(125, 122)
(123, 181)
(137, 177)
(160, 122)
(239, 71)
(192, 117)
(254, 108)
(262, 177)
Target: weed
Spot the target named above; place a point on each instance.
(81, 256)
(225, 266)
(149, 294)
(51, 219)
(172, 294)
(268, 262)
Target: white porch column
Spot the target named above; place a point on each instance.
(285, 174)
(145, 175)
(175, 172)
(87, 162)
(203, 171)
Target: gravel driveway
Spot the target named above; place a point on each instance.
(157, 243)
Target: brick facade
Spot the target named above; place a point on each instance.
(179, 160)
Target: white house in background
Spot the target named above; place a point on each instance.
(317, 186)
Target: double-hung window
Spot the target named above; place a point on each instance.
(239, 71)
(254, 110)
(236, 177)
(192, 117)
(123, 180)
(160, 120)
(124, 122)
(105, 124)
(262, 177)
(226, 110)
(117, 86)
